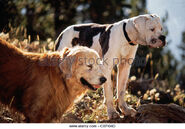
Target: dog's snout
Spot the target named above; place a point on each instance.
(162, 38)
(102, 80)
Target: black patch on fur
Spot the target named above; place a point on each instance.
(104, 40)
(76, 41)
(86, 34)
(58, 42)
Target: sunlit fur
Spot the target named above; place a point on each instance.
(37, 85)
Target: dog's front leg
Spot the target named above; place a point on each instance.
(108, 97)
(124, 71)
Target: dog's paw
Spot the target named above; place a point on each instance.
(128, 111)
(132, 112)
(113, 115)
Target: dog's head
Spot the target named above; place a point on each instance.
(149, 30)
(84, 65)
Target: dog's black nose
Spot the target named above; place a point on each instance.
(162, 38)
(102, 80)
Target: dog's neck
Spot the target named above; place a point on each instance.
(130, 41)
(69, 87)
(130, 31)
(75, 90)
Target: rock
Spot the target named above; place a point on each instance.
(154, 113)
(160, 113)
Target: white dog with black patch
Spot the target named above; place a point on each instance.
(115, 41)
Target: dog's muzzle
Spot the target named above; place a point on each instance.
(95, 87)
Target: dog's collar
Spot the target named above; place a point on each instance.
(126, 35)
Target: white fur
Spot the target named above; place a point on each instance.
(139, 31)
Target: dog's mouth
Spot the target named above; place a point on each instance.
(154, 41)
(157, 46)
(157, 43)
(86, 83)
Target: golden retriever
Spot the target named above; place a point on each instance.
(44, 86)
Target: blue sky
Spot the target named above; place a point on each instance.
(176, 20)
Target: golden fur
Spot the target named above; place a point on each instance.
(35, 85)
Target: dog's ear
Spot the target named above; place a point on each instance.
(66, 62)
(137, 21)
(136, 26)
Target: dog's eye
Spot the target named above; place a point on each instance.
(90, 66)
(152, 29)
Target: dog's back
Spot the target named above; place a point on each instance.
(12, 74)
(90, 35)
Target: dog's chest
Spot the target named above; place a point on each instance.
(128, 51)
